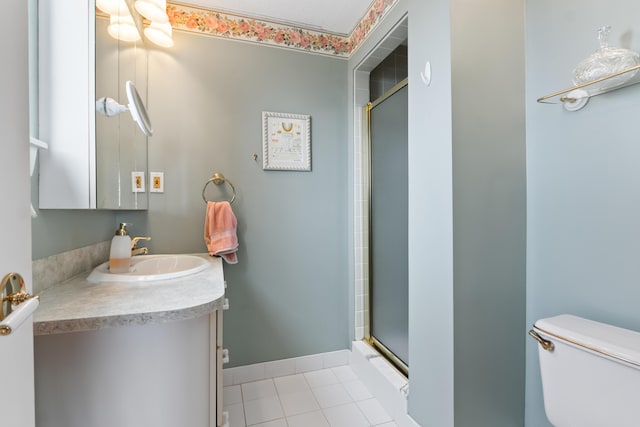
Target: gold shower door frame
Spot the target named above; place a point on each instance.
(368, 337)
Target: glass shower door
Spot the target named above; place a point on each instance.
(388, 238)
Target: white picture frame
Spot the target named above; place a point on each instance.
(286, 141)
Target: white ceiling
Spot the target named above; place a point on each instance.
(336, 16)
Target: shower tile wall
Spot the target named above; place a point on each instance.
(391, 71)
(361, 201)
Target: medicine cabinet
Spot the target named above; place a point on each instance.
(92, 159)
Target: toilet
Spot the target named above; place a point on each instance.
(590, 372)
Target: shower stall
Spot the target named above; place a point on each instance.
(387, 130)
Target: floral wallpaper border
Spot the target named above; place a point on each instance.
(213, 23)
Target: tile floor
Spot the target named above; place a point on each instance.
(326, 398)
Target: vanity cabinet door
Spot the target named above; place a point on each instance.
(128, 376)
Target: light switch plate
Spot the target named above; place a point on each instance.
(157, 182)
(137, 182)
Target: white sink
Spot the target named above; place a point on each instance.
(151, 267)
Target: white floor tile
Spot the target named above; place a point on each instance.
(344, 373)
(262, 410)
(345, 416)
(331, 395)
(373, 410)
(357, 390)
(231, 395)
(258, 390)
(275, 423)
(291, 384)
(321, 378)
(310, 419)
(236, 415)
(298, 402)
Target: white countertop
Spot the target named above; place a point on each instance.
(78, 305)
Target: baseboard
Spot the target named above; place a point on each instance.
(279, 368)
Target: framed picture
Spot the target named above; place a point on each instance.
(286, 141)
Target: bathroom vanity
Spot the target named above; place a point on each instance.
(145, 353)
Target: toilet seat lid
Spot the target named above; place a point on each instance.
(612, 341)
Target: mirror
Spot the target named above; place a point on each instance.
(121, 139)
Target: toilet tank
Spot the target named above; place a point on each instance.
(591, 378)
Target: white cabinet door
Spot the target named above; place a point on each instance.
(127, 376)
(16, 349)
(67, 104)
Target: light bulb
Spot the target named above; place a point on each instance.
(123, 28)
(160, 34)
(153, 10)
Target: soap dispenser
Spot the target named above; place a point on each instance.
(120, 254)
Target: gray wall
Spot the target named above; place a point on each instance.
(431, 304)
(489, 203)
(582, 179)
(467, 213)
(57, 231)
(288, 292)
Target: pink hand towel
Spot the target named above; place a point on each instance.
(220, 231)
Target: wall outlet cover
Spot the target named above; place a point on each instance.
(137, 182)
(157, 182)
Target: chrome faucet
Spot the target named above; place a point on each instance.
(135, 250)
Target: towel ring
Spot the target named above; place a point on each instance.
(218, 179)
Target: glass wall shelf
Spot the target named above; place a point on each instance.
(576, 97)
